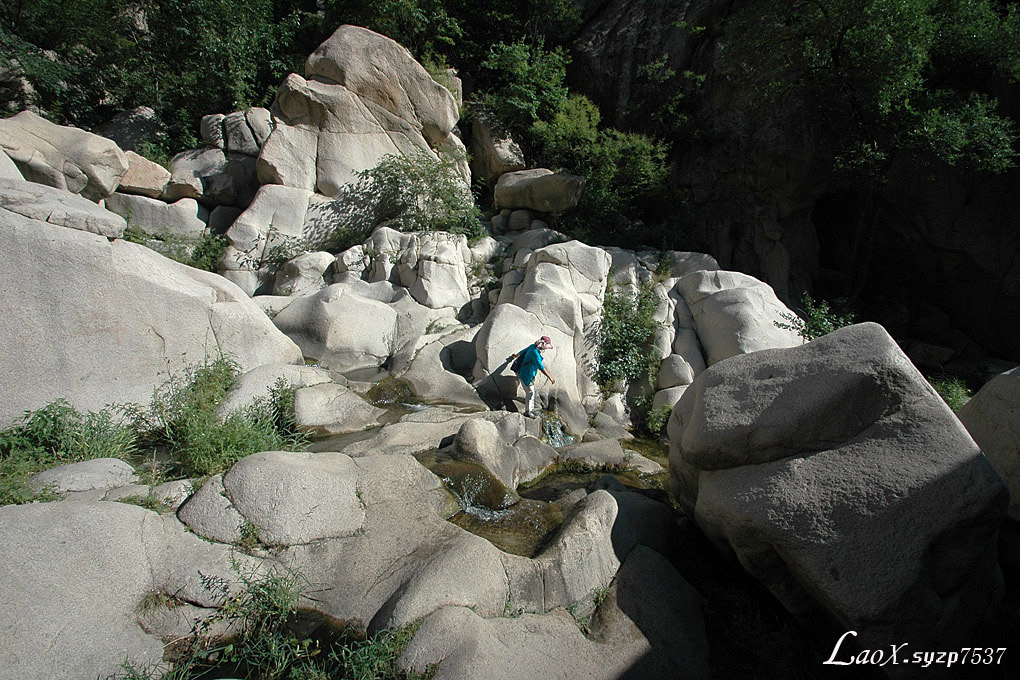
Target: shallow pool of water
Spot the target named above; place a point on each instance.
(522, 529)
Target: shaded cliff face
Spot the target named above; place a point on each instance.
(944, 258)
(762, 198)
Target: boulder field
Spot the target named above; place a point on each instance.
(830, 470)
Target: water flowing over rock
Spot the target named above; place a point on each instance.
(841, 480)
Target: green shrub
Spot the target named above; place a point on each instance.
(819, 318)
(409, 193)
(265, 643)
(526, 84)
(624, 172)
(184, 418)
(656, 419)
(58, 434)
(953, 390)
(623, 337)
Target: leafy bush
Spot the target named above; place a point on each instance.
(526, 84)
(266, 642)
(184, 418)
(656, 419)
(623, 337)
(410, 193)
(625, 172)
(58, 434)
(820, 318)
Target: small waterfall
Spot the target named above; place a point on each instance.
(553, 432)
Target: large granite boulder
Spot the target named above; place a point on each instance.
(432, 265)
(304, 274)
(556, 290)
(493, 153)
(841, 480)
(143, 177)
(63, 157)
(332, 408)
(102, 322)
(274, 220)
(100, 474)
(75, 575)
(32, 201)
(992, 416)
(183, 218)
(734, 313)
(539, 189)
(340, 329)
(649, 626)
(364, 97)
(8, 170)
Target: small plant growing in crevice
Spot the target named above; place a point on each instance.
(953, 390)
(266, 640)
(656, 419)
(819, 318)
(149, 502)
(249, 541)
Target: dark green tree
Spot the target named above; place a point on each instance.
(883, 80)
(883, 76)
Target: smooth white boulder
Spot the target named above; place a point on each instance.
(63, 157)
(113, 318)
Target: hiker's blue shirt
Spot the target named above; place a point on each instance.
(531, 363)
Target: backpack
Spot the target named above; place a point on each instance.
(519, 361)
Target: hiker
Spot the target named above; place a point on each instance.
(528, 366)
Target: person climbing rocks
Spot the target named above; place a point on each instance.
(527, 365)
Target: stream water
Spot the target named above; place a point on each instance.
(518, 521)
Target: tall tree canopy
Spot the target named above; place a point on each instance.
(885, 75)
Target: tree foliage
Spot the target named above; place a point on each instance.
(625, 172)
(886, 75)
(527, 83)
(88, 59)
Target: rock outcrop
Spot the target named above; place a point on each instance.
(106, 323)
(63, 157)
(992, 416)
(75, 576)
(840, 479)
(363, 97)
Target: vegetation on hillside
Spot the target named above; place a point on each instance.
(268, 640)
(875, 77)
(181, 427)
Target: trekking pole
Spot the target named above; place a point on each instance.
(491, 376)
